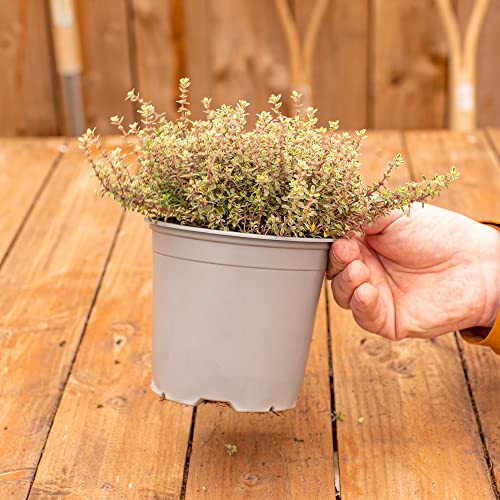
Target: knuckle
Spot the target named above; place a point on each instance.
(339, 294)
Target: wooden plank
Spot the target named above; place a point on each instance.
(112, 435)
(476, 192)
(286, 456)
(235, 50)
(408, 64)
(25, 165)
(107, 73)
(340, 67)
(488, 73)
(418, 437)
(27, 90)
(493, 135)
(476, 195)
(377, 150)
(48, 283)
(483, 369)
(156, 55)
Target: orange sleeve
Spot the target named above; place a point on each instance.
(492, 339)
(481, 336)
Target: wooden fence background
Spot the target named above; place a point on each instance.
(378, 64)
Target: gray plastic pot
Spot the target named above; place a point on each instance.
(233, 315)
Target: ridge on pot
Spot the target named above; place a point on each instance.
(233, 315)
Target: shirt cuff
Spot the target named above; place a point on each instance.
(481, 336)
(492, 339)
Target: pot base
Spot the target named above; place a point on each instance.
(235, 406)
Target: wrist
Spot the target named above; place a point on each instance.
(490, 254)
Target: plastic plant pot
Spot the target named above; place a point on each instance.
(233, 315)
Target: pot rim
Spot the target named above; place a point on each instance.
(250, 236)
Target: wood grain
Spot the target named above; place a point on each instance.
(155, 53)
(408, 65)
(377, 150)
(493, 135)
(340, 68)
(414, 403)
(119, 438)
(25, 165)
(476, 192)
(488, 98)
(235, 50)
(27, 85)
(48, 283)
(478, 196)
(418, 438)
(107, 70)
(286, 456)
(382, 64)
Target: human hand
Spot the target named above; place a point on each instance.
(420, 276)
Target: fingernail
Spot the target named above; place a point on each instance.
(336, 259)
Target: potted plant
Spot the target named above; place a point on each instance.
(242, 222)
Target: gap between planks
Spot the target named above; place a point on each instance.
(336, 464)
(486, 454)
(82, 334)
(36, 245)
(62, 149)
(188, 455)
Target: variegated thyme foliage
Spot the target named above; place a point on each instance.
(286, 177)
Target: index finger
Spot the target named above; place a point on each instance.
(342, 252)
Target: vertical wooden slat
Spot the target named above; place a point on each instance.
(106, 61)
(279, 456)
(340, 68)
(235, 50)
(199, 27)
(112, 435)
(27, 93)
(493, 136)
(412, 398)
(378, 63)
(488, 70)
(409, 65)
(155, 51)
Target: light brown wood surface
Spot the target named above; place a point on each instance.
(119, 438)
(408, 65)
(413, 400)
(25, 166)
(27, 84)
(380, 64)
(235, 50)
(288, 455)
(47, 283)
(488, 101)
(155, 53)
(477, 162)
(476, 194)
(79, 420)
(107, 66)
(340, 65)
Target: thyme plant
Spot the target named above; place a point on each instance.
(285, 177)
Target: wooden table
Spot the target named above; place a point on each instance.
(77, 417)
